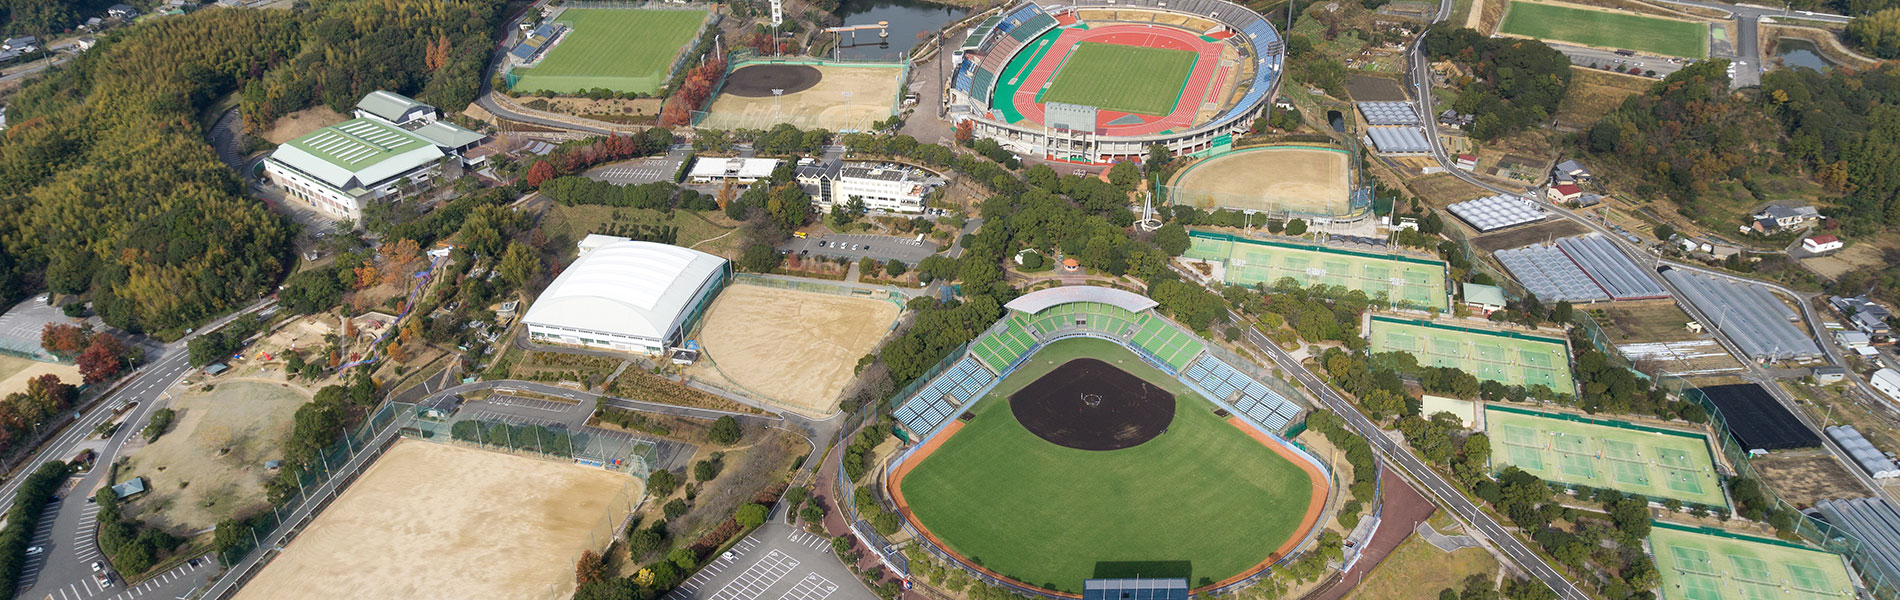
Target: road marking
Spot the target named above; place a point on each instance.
(812, 587)
(757, 578)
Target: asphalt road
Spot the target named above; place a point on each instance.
(64, 571)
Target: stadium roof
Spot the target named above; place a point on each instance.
(389, 105)
(1388, 113)
(1399, 140)
(639, 289)
(358, 152)
(1038, 301)
(1497, 212)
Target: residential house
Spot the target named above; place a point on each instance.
(1468, 162)
(1588, 199)
(1776, 218)
(85, 43)
(122, 11)
(1563, 193)
(1573, 170)
(1863, 315)
(1821, 243)
(1829, 374)
(22, 44)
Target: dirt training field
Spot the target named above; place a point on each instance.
(843, 98)
(18, 370)
(210, 466)
(436, 521)
(1310, 180)
(796, 347)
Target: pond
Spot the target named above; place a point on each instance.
(1800, 53)
(907, 18)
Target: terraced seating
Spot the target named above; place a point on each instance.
(1000, 350)
(1032, 27)
(980, 84)
(944, 395)
(964, 77)
(1244, 393)
(1167, 342)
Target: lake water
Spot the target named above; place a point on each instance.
(907, 17)
(1800, 53)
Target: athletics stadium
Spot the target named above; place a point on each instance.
(1100, 81)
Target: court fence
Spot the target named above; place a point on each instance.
(28, 350)
(1805, 528)
(892, 294)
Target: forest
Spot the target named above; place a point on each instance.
(47, 17)
(1512, 83)
(110, 190)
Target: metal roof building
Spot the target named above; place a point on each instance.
(1759, 323)
(1388, 113)
(1870, 459)
(1548, 273)
(393, 108)
(1872, 522)
(338, 168)
(1610, 268)
(1399, 140)
(629, 296)
(1492, 213)
(708, 168)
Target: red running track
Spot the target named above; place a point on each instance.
(1199, 85)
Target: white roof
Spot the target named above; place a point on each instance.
(742, 168)
(629, 288)
(1887, 376)
(1038, 301)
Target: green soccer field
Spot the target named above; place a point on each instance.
(1657, 463)
(1131, 79)
(1202, 501)
(1505, 357)
(621, 50)
(1699, 563)
(1656, 35)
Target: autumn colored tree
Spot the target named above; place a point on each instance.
(367, 275)
(966, 129)
(590, 568)
(103, 358)
(398, 354)
(64, 340)
(400, 260)
(436, 55)
(540, 172)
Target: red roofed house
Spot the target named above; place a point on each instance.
(1821, 243)
(1563, 193)
(1467, 162)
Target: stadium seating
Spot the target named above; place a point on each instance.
(1000, 350)
(1165, 341)
(1244, 393)
(963, 76)
(1033, 27)
(980, 84)
(944, 396)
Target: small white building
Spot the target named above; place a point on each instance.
(1887, 381)
(1821, 243)
(895, 189)
(1853, 339)
(737, 170)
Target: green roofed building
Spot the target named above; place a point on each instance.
(385, 154)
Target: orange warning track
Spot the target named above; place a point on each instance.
(1315, 506)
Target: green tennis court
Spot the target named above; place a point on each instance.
(625, 50)
(1133, 79)
(1576, 450)
(1407, 281)
(1699, 563)
(1509, 358)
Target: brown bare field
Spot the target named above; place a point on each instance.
(1442, 189)
(1863, 255)
(1643, 321)
(1268, 179)
(19, 370)
(1418, 570)
(795, 347)
(1594, 93)
(301, 123)
(1803, 477)
(845, 98)
(210, 466)
(1518, 237)
(438, 521)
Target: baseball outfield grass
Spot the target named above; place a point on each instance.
(1132, 79)
(1203, 501)
(1604, 29)
(618, 49)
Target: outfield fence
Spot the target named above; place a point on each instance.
(1808, 529)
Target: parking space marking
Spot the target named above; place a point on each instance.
(756, 579)
(547, 405)
(812, 587)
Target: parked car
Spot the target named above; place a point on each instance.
(35, 550)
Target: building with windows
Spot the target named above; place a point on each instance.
(881, 187)
(394, 149)
(628, 296)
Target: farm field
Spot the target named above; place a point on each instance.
(618, 49)
(1605, 29)
(1121, 78)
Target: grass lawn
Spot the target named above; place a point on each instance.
(1418, 570)
(621, 50)
(1607, 29)
(1202, 501)
(697, 230)
(1131, 79)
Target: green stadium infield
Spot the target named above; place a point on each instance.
(1605, 29)
(625, 50)
(1114, 77)
(1215, 501)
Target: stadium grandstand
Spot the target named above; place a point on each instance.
(628, 296)
(1127, 318)
(1007, 62)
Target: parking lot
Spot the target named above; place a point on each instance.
(642, 170)
(527, 411)
(75, 580)
(20, 326)
(858, 245)
(778, 562)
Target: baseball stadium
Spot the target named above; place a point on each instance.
(1083, 437)
(1100, 81)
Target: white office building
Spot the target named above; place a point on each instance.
(896, 189)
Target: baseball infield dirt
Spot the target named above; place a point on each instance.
(796, 347)
(1088, 404)
(437, 521)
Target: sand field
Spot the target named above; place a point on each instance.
(210, 465)
(438, 521)
(1307, 180)
(845, 98)
(793, 346)
(19, 370)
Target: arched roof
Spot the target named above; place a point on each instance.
(1038, 301)
(630, 288)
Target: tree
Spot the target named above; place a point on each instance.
(750, 515)
(1172, 238)
(674, 508)
(102, 359)
(520, 265)
(706, 470)
(64, 340)
(869, 267)
(724, 431)
(1877, 33)
(662, 483)
(1563, 312)
(683, 557)
(643, 542)
(590, 568)
(1296, 227)
(895, 267)
(540, 173)
(759, 258)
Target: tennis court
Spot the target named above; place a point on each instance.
(1699, 563)
(1408, 282)
(1506, 357)
(1574, 450)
